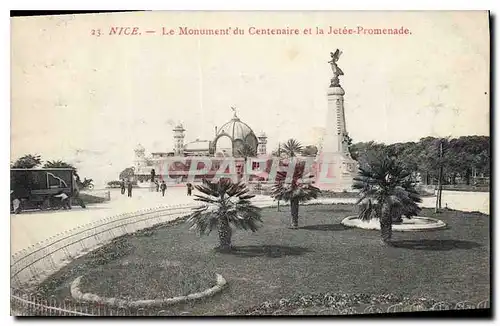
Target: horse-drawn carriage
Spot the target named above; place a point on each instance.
(36, 188)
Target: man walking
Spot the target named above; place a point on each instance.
(163, 188)
(76, 192)
(129, 189)
(122, 186)
(189, 188)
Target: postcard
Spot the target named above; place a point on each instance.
(204, 163)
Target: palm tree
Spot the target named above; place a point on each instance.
(58, 164)
(228, 204)
(292, 147)
(246, 150)
(386, 192)
(298, 189)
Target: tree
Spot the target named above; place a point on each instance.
(386, 190)
(363, 151)
(463, 157)
(298, 189)
(292, 148)
(127, 173)
(27, 162)
(310, 150)
(58, 164)
(228, 204)
(482, 162)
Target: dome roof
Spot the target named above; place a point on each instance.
(239, 133)
(236, 129)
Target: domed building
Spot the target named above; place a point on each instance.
(232, 136)
(229, 139)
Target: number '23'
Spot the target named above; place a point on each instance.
(95, 32)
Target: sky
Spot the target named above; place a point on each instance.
(90, 100)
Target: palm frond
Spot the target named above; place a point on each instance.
(225, 200)
(298, 185)
(292, 147)
(384, 180)
(246, 151)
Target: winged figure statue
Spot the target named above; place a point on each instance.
(335, 69)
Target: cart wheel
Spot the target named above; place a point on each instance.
(90, 187)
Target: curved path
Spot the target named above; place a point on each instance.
(29, 228)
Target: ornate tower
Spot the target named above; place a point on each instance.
(140, 158)
(262, 141)
(179, 140)
(336, 168)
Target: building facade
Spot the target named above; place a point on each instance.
(205, 156)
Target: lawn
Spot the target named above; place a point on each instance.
(276, 262)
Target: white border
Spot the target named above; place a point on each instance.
(188, 5)
(254, 5)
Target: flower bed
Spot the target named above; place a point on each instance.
(77, 294)
(343, 303)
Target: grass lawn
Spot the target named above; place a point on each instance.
(276, 262)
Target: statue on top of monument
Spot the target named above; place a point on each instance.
(335, 69)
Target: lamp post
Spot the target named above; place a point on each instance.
(440, 178)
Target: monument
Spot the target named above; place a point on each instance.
(336, 168)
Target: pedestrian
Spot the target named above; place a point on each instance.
(129, 188)
(189, 188)
(163, 188)
(76, 194)
(157, 186)
(64, 203)
(122, 186)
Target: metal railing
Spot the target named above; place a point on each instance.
(29, 267)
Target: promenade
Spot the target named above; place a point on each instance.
(29, 228)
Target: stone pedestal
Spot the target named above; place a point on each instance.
(335, 167)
